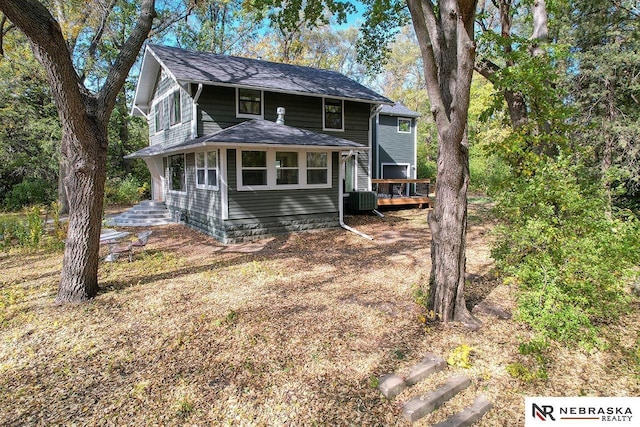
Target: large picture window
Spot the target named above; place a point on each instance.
(249, 103)
(271, 169)
(333, 114)
(177, 173)
(207, 170)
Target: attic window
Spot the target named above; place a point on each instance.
(333, 114)
(249, 103)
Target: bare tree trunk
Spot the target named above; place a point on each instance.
(63, 196)
(84, 117)
(448, 224)
(85, 184)
(445, 36)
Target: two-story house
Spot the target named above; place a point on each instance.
(242, 148)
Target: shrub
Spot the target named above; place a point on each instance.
(126, 191)
(29, 192)
(570, 259)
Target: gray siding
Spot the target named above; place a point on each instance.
(196, 200)
(264, 204)
(179, 132)
(394, 147)
(363, 168)
(217, 110)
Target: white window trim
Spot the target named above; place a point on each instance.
(170, 177)
(207, 186)
(157, 118)
(324, 115)
(245, 115)
(410, 125)
(272, 175)
(171, 110)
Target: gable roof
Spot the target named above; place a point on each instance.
(256, 132)
(398, 109)
(188, 66)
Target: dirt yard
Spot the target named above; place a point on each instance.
(293, 330)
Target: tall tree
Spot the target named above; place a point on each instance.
(445, 32)
(606, 90)
(84, 116)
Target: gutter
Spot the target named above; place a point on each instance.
(341, 199)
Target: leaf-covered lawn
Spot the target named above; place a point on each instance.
(293, 330)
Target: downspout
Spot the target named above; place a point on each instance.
(374, 112)
(194, 122)
(341, 198)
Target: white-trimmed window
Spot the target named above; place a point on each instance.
(317, 168)
(157, 117)
(253, 168)
(404, 125)
(287, 170)
(272, 169)
(207, 170)
(333, 114)
(175, 107)
(249, 103)
(177, 170)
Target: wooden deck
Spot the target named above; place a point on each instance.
(403, 192)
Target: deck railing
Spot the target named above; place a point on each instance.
(402, 191)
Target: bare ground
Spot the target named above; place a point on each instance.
(293, 330)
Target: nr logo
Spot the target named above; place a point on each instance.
(543, 412)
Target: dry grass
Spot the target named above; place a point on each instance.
(293, 330)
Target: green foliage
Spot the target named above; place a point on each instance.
(569, 259)
(29, 192)
(29, 128)
(25, 230)
(126, 191)
(534, 365)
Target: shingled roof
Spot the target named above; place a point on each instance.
(398, 109)
(188, 66)
(254, 133)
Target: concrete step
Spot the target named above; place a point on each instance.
(421, 406)
(427, 366)
(392, 385)
(470, 415)
(146, 213)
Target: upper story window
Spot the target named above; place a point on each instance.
(157, 117)
(177, 178)
(404, 125)
(249, 103)
(333, 118)
(272, 169)
(175, 107)
(207, 170)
